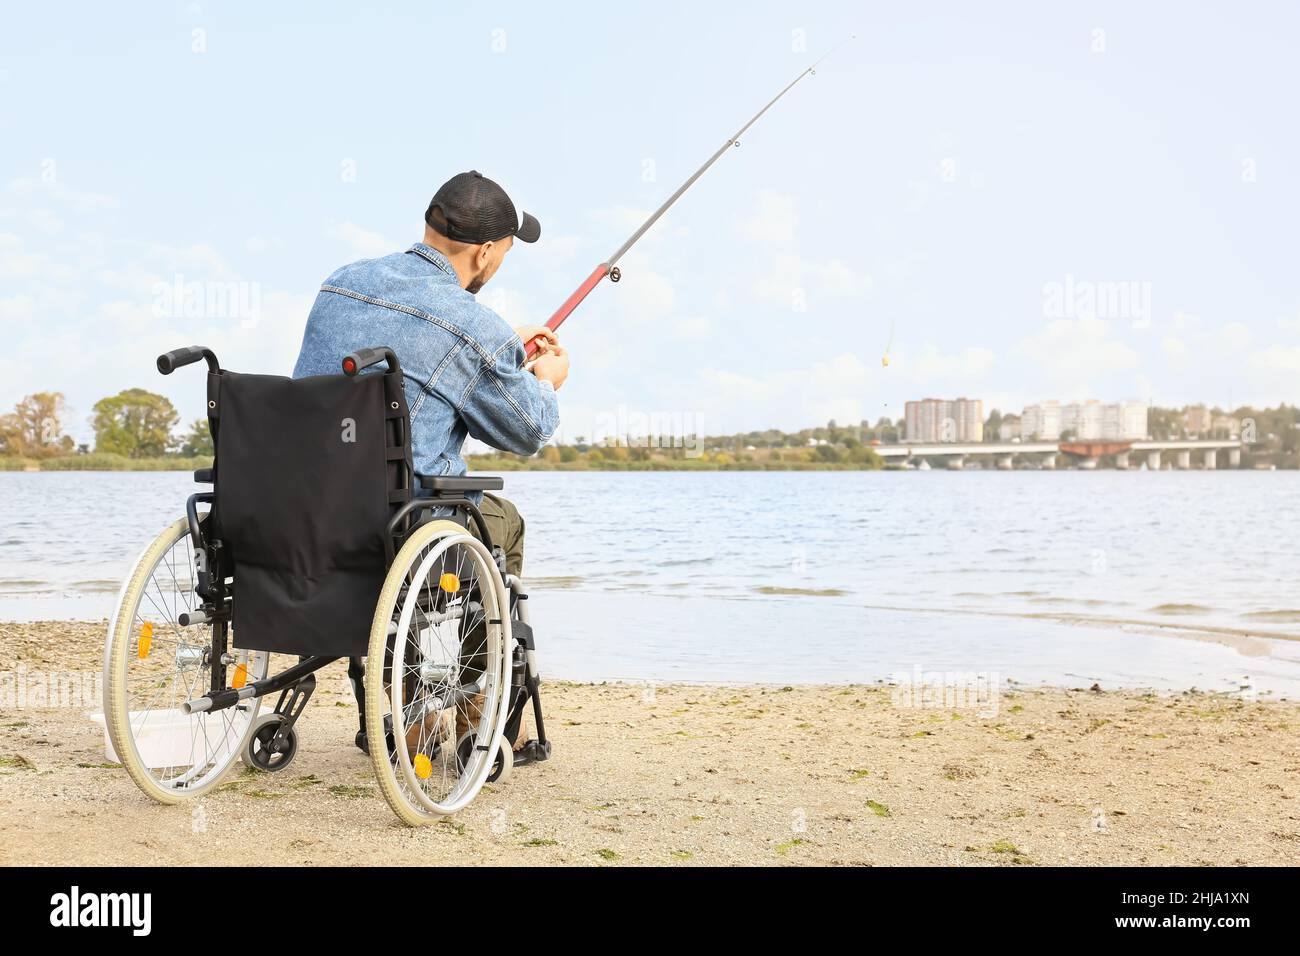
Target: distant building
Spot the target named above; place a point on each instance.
(1082, 419)
(1225, 426)
(1009, 429)
(1197, 419)
(1132, 420)
(944, 420)
(1041, 422)
(1088, 421)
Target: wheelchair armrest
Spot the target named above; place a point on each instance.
(459, 484)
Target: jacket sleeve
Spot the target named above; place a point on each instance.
(509, 408)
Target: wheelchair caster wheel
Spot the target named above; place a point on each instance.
(503, 761)
(260, 752)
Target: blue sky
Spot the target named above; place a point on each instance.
(1019, 201)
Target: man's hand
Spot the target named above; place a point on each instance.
(552, 365)
(545, 337)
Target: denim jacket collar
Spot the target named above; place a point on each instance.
(435, 257)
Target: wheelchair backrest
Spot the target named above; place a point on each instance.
(308, 473)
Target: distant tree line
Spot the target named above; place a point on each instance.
(134, 424)
(137, 424)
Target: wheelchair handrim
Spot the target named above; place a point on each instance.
(466, 788)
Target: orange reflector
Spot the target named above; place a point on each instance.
(146, 640)
(449, 583)
(423, 766)
(241, 676)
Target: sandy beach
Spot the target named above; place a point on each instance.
(686, 775)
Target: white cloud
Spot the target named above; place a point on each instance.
(775, 220)
(693, 327)
(510, 304)
(558, 248)
(81, 202)
(1175, 349)
(744, 387)
(365, 243)
(46, 220)
(624, 220)
(831, 388)
(35, 267)
(956, 370)
(1234, 336)
(646, 296)
(1073, 351)
(1278, 358)
(17, 309)
(792, 281)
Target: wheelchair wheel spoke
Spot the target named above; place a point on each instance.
(156, 666)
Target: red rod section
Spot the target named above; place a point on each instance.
(571, 303)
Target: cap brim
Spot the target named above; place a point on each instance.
(530, 230)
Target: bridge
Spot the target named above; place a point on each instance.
(1083, 454)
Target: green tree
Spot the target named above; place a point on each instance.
(198, 443)
(993, 425)
(865, 456)
(134, 423)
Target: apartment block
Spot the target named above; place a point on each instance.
(945, 420)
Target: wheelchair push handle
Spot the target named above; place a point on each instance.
(354, 362)
(179, 358)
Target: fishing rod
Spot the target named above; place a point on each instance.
(610, 266)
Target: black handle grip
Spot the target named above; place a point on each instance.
(354, 362)
(179, 358)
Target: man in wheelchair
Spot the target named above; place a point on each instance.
(463, 365)
(342, 525)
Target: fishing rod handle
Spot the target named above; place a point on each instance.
(571, 303)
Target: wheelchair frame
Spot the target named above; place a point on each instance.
(296, 683)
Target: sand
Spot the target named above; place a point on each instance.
(683, 775)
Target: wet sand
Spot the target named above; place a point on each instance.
(683, 775)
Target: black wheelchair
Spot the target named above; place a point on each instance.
(316, 544)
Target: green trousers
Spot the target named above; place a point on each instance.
(506, 526)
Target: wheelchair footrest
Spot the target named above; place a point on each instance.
(532, 752)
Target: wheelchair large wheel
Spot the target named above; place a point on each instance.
(152, 666)
(438, 668)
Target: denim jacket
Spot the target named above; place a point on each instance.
(460, 360)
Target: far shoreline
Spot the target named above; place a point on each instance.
(1237, 641)
(148, 466)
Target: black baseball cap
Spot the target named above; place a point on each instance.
(471, 208)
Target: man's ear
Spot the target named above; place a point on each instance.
(484, 255)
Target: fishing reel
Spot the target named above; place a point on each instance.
(614, 274)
